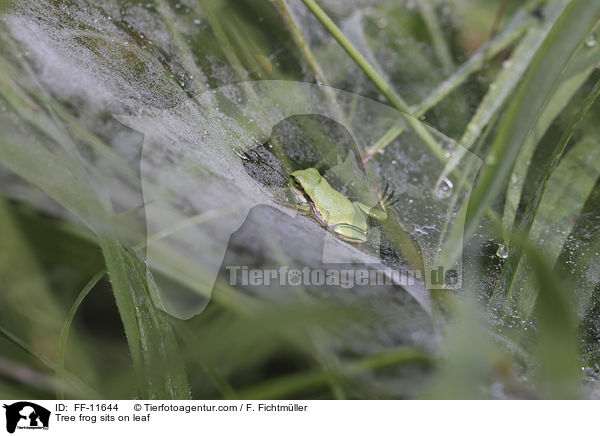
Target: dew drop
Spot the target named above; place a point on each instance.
(447, 148)
(444, 188)
(502, 251)
(590, 41)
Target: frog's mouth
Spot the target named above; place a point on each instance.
(299, 192)
(303, 197)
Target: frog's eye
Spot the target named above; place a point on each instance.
(297, 184)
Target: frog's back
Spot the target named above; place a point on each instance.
(334, 207)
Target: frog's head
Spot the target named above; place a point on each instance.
(308, 178)
(302, 183)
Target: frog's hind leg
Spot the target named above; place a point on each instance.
(350, 233)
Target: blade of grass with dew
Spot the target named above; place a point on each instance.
(586, 274)
(507, 286)
(505, 83)
(514, 29)
(154, 350)
(574, 76)
(570, 31)
(566, 193)
(495, 99)
(64, 334)
(512, 72)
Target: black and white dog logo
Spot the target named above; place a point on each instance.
(26, 415)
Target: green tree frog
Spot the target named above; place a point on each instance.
(347, 219)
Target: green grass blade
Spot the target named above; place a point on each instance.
(565, 198)
(557, 208)
(509, 77)
(584, 273)
(557, 349)
(435, 31)
(154, 350)
(575, 75)
(532, 96)
(513, 31)
(64, 334)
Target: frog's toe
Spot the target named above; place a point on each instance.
(350, 233)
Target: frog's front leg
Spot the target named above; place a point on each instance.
(303, 208)
(376, 212)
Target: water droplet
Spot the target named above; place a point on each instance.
(502, 251)
(447, 148)
(590, 41)
(444, 188)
